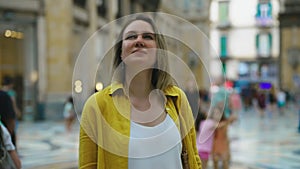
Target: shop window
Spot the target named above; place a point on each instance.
(264, 44)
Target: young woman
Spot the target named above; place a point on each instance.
(138, 121)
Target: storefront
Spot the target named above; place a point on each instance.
(18, 57)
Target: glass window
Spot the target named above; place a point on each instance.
(186, 4)
(264, 44)
(223, 46)
(264, 13)
(223, 12)
(243, 69)
(264, 10)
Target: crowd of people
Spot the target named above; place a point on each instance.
(221, 106)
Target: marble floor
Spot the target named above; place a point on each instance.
(269, 142)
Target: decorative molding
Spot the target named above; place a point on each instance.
(28, 5)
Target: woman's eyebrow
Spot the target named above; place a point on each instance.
(136, 32)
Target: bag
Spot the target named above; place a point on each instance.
(5, 160)
(184, 158)
(184, 153)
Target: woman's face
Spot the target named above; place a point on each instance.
(139, 45)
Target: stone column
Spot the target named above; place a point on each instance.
(42, 62)
(59, 23)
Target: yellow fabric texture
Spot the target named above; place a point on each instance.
(105, 128)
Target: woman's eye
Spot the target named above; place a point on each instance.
(130, 37)
(148, 36)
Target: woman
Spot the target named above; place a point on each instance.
(138, 121)
(7, 107)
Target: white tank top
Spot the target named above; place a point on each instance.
(155, 147)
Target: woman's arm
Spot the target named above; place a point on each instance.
(190, 132)
(231, 119)
(87, 151)
(14, 156)
(6, 138)
(88, 148)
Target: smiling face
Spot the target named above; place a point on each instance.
(139, 45)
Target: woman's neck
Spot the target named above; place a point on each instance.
(140, 85)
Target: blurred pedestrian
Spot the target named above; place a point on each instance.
(271, 102)
(221, 144)
(204, 100)
(235, 102)
(220, 96)
(69, 114)
(297, 102)
(8, 115)
(206, 124)
(8, 86)
(138, 120)
(9, 146)
(192, 94)
(281, 101)
(261, 102)
(204, 148)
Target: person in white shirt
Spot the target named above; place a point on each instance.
(10, 147)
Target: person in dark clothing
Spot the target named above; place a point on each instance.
(192, 94)
(261, 100)
(7, 114)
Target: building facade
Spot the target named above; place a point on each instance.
(290, 46)
(245, 38)
(41, 40)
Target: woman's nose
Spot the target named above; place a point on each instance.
(139, 41)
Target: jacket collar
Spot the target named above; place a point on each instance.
(117, 87)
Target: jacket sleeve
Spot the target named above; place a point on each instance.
(189, 129)
(88, 148)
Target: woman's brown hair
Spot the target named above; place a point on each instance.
(160, 74)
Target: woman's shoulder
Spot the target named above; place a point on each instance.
(173, 90)
(103, 95)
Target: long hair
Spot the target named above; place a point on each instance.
(160, 77)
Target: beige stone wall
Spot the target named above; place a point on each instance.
(59, 22)
(11, 58)
(287, 71)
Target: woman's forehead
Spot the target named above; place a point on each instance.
(138, 26)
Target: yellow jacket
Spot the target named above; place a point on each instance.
(105, 128)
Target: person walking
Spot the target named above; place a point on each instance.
(8, 115)
(221, 144)
(8, 87)
(192, 94)
(69, 114)
(139, 120)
